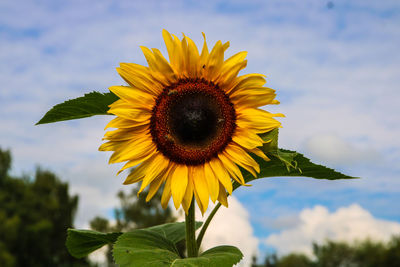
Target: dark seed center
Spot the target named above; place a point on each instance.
(193, 119)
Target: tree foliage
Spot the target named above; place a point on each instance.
(333, 254)
(34, 216)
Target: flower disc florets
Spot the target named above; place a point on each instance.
(192, 121)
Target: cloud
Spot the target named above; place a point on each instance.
(230, 226)
(318, 224)
(335, 150)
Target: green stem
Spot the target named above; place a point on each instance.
(205, 225)
(191, 245)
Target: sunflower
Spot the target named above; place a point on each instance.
(188, 124)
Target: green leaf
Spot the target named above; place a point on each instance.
(146, 248)
(290, 163)
(272, 138)
(90, 104)
(174, 232)
(82, 242)
(222, 256)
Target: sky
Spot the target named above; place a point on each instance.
(334, 64)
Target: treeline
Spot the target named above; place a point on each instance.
(35, 213)
(339, 254)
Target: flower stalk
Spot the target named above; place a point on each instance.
(190, 222)
(205, 225)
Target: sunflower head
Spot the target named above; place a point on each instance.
(187, 124)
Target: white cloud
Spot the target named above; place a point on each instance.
(334, 150)
(230, 226)
(317, 224)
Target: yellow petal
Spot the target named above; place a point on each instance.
(137, 148)
(259, 153)
(179, 60)
(125, 134)
(139, 159)
(137, 97)
(199, 202)
(192, 58)
(231, 68)
(253, 80)
(155, 185)
(166, 195)
(259, 120)
(171, 48)
(164, 67)
(254, 101)
(252, 89)
(221, 173)
(129, 112)
(156, 169)
(214, 62)
(200, 186)
(245, 81)
(222, 198)
(179, 181)
(253, 96)
(140, 79)
(247, 139)
(229, 76)
(212, 182)
(123, 123)
(138, 173)
(153, 188)
(231, 167)
(112, 145)
(235, 152)
(204, 52)
(187, 198)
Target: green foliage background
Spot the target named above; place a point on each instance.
(366, 253)
(34, 216)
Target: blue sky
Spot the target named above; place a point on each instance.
(336, 71)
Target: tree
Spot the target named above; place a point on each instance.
(136, 212)
(34, 217)
(294, 259)
(340, 254)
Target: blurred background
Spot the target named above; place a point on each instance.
(335, 66)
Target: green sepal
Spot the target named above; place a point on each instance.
(271, 139)
(144, 248)
(90, 104)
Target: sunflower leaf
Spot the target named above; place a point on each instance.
(146, 248)
(90, 104)
(174, 232)
(82, 242)
(221, 256)
(291, 163)
(271, 138)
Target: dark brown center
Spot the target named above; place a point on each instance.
(192, 121)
